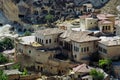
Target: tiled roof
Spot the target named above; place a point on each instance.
(83, 68)
(50, 31)
(78, 36)
(104, 16)
(104, 22)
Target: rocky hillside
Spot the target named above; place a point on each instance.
(110, 7)
(95, 3)
(10, 10)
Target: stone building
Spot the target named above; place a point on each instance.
(78, 45)
(43, 50)
(34, 55)
(108, 48)
(106, 26)
(87, 22)
(48, 37)
(106, 23)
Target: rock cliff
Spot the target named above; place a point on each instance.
(10, 10)
(110, 7)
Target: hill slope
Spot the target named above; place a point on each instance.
(110, 7)
(10, 10)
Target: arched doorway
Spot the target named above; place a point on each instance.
(24, 30)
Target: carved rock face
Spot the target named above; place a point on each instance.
(96, 3)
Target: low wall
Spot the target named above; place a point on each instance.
(6, 66)
(30, 77)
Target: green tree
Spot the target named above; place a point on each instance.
(3, 59)
(105, 64)
(49, 18)
(7, 43)
(27, 33)
(97, 75)
(3, 76)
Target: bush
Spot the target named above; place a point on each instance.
(27, 33)
(6, 44)
(25, 72)
(16, 66)
(3, 76)
(3, 59)
(97, 75)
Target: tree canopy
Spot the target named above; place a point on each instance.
(3, 76)
(104, 62)
(49, 17)
(97, 75)
(6, 44)
(27, 33)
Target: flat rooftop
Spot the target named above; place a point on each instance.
(110, 41)
(29, 40)
(50, 31)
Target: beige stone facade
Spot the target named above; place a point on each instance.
(87, 22)
(40, 51)
(109, 49)
(78, 45)
(48, 37)
(106, 23)
(40, 58)
(106, 26)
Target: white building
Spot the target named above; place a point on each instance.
(87, 22)
(48, 37)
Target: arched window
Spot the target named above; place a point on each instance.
(103, 27)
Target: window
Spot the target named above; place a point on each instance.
(49, 40)
(75, 56)
(81, 49)
(29, 51)
(108, 27)
(76, 49)
(36, 38)
(46, 41)
(87, 49)
(84, 49)
(103, 28)
(104, 51)
(42, 41)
